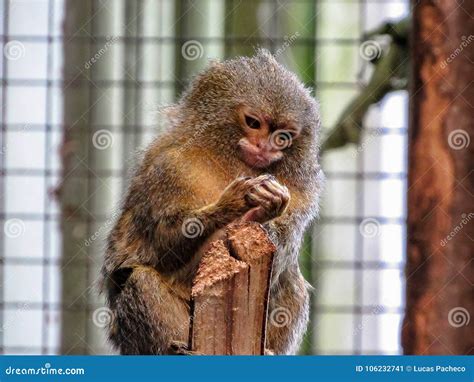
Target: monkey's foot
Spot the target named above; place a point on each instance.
(180, 348)
(268, 352)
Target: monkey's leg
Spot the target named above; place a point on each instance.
(148, 316)
(288, 314)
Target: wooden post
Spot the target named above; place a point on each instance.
(230, 293)
(440, 273)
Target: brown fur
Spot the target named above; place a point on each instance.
(193, 171)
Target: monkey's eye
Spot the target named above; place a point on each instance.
(251, 122)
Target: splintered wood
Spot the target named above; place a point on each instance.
(230, 293)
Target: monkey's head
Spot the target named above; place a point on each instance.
(254, 109)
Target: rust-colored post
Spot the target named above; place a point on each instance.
(440, 273)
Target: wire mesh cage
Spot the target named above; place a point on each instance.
(82, 83)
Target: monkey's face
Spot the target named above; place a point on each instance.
(264, 139)
(253, 109)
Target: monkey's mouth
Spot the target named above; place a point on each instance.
(255, 157)
(257, 161)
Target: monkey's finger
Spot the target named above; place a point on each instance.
(238, 186)
(269, 182)
(263, 178)
(256, 199)
(268, 178)
(180, 348)
(271, 202)
(280, 192)
(262, 190)
(276, 188)
(241, 181)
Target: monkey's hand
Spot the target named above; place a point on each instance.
(180, 348)
(268, 198)
(233, 203)
(257, 199)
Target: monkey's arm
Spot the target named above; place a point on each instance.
(173, 230)
(161, 225)
(179, 234)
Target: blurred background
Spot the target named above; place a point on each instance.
(82, 82)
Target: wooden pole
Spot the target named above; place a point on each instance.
(440, 273)
(230, 293)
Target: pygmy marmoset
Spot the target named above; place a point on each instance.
(241, 140)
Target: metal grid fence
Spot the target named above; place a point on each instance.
(352, 267)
